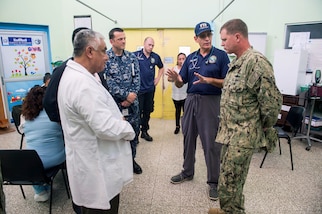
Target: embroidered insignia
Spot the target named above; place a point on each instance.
(212, 59)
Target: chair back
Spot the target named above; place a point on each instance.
(22, 167)
(295, 118)
(15, 113)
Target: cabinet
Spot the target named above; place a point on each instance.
(288, 101)
(313, 105)
(310, 132)
(290, 70)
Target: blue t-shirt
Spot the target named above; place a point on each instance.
(46, 137)
(147, 69)
(215, 65)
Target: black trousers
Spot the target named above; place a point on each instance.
(114, 208)
(146, 107)
(178, 104)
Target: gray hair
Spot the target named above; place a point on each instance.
(85, 38)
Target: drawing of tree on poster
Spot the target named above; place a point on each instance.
(25, 59)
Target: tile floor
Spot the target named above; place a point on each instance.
(274, 189)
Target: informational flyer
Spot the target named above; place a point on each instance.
(23, 56)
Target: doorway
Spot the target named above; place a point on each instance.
(167, 43)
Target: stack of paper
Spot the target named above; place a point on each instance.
(316, 121)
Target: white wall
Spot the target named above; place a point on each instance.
(261, 16)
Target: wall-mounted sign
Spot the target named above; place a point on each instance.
(83, 21)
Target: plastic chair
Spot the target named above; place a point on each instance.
(24, 167)
(16, 112)
(294, 118)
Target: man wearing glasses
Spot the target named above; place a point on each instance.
(98, 152)
(204, 70)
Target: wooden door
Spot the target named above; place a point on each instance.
(167, 43)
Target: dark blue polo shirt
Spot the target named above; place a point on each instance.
(215, 64)
(147, 69)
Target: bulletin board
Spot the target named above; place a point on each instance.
(313, 45)
(24, 59)
(315, 29)
(83, 21)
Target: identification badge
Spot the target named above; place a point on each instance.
(125, 112)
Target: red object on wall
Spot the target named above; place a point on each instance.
(316, 91)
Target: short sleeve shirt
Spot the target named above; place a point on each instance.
(214, 65)
(147, 69)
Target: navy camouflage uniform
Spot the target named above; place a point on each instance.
(250, 103)
(123, 77)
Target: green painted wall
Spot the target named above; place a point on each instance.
(261, 16)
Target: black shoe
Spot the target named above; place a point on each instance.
(177, 179)
(76, 208)
(136, 168)
(213, 193)
(146, 136)
(177, 130)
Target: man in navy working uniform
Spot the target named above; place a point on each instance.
(123, 80)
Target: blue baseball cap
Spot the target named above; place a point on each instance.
(202, 27)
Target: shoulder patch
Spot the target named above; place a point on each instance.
(253, 78)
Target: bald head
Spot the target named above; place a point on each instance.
(148, 45)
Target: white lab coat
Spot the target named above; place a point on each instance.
(98, 152)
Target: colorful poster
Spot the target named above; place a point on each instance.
(24, 60)
(17, 91)
(23, 55)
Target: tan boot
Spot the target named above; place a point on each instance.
(216, 211)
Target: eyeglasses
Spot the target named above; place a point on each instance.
(205, 35)
(103, 51)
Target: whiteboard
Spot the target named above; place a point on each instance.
(315, 29)
(83, 21)
(258, 41)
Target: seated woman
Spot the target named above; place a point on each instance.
(42, 135)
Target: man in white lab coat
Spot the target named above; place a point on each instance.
(98, 152)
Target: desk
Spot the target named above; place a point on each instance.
(288, 102)
(307, 136)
